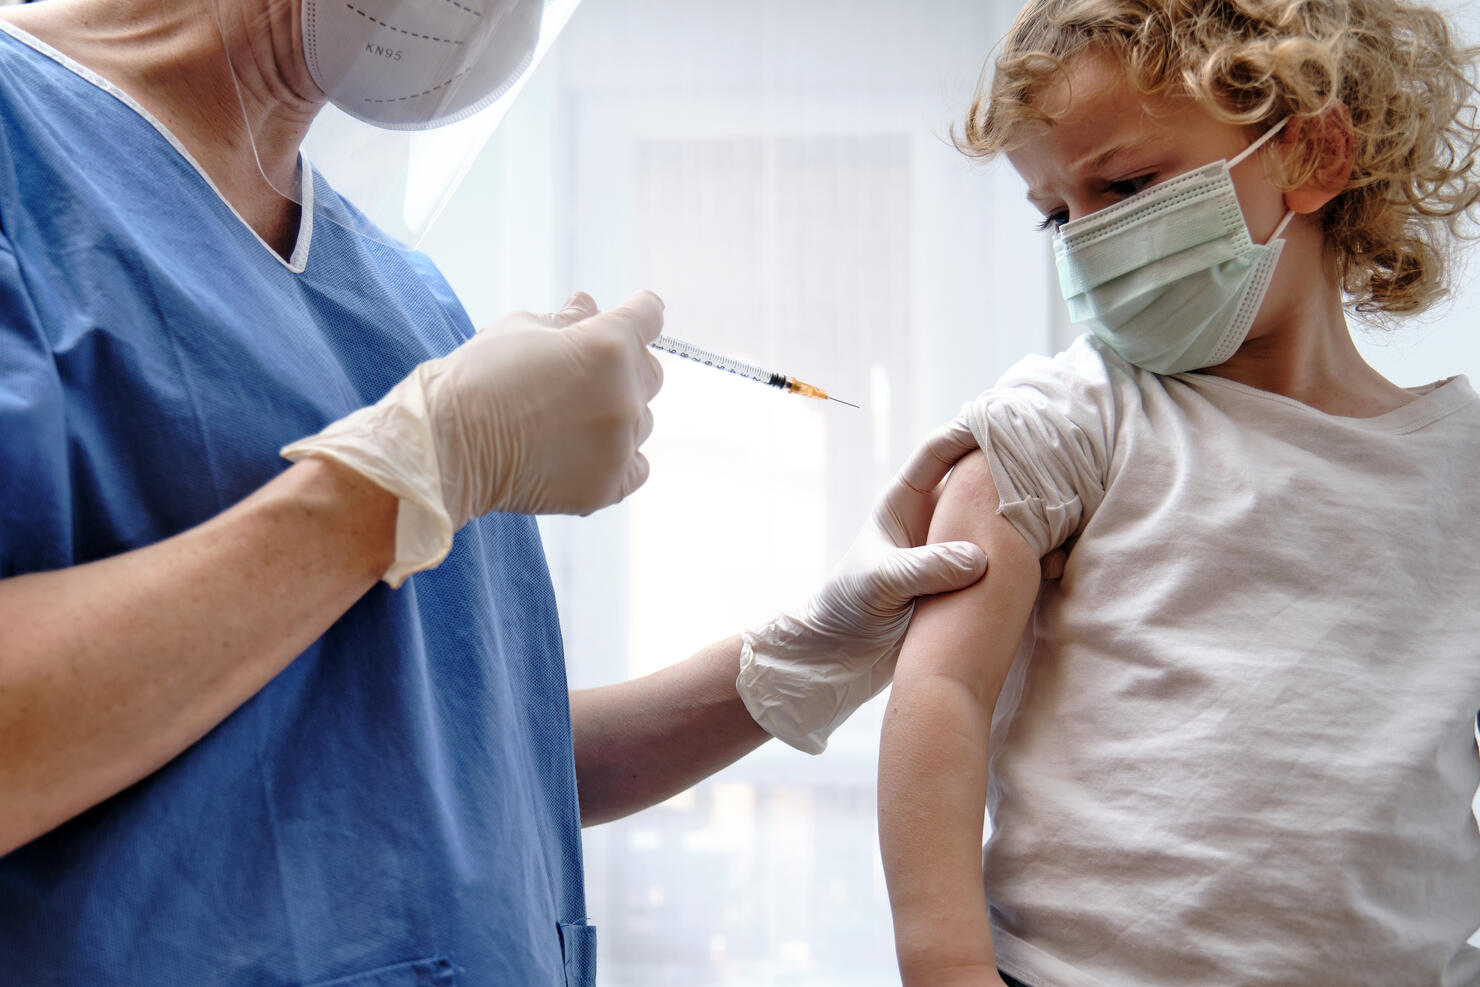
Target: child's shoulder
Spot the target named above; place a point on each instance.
(1086, 372)
(1085, 359)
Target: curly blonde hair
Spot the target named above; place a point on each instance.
(1395, 67)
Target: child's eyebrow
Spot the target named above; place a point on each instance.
(1101, 160)
(1089, 164)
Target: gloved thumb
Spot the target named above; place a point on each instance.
(938, 568)
(642, 314)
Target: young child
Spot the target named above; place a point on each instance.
(1236, 743)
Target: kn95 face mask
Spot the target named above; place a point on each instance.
(415, 90)
(414, 64)
(1170, 277)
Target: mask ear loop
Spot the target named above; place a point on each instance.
(1265, 138)
(1280, 228)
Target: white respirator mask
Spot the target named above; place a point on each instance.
(1170, 277)
(415, 64)
(415, 90)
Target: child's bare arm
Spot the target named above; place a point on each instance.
(933, 756)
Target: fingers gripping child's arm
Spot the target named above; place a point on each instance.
(933, 755)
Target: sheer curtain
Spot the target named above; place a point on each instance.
(781, 172)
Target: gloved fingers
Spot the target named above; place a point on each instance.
(940, 451)
(905, 509)
(637, 474)
(904, 515)
(651, 372)
(579, 306)
(644, 426)
(930, 569)
(642, 314)
(619, 338)
(646, 311)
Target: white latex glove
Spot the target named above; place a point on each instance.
(536, 414)
(805, 672)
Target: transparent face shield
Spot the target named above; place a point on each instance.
(415, 90)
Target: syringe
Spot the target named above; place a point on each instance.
(700, 355)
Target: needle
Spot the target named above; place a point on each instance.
(748, 370)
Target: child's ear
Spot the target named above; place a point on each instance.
(1332, 133)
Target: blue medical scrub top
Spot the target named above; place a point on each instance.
(398, 806)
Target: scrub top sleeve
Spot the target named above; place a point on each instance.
(35, 503)
(1046, 430)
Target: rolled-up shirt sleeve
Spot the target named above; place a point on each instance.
(1047, 430)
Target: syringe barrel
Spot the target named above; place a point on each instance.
(711, 359)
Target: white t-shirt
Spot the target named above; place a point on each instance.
(1238, 743)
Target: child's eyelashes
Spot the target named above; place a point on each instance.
(1122, 188)
(1126, 187)
(1054, 220)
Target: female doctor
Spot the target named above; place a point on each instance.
(239, 741)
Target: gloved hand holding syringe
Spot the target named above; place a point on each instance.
(545, 414)
(536, 414)
(689, 351)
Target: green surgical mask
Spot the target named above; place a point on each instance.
(1170, 278)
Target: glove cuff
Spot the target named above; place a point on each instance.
(797, 692)
(391, 444)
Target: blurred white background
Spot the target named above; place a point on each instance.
(781, 172)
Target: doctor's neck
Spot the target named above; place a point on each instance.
(176, 59)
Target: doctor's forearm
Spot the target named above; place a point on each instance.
(110, 669)
(639, 742)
